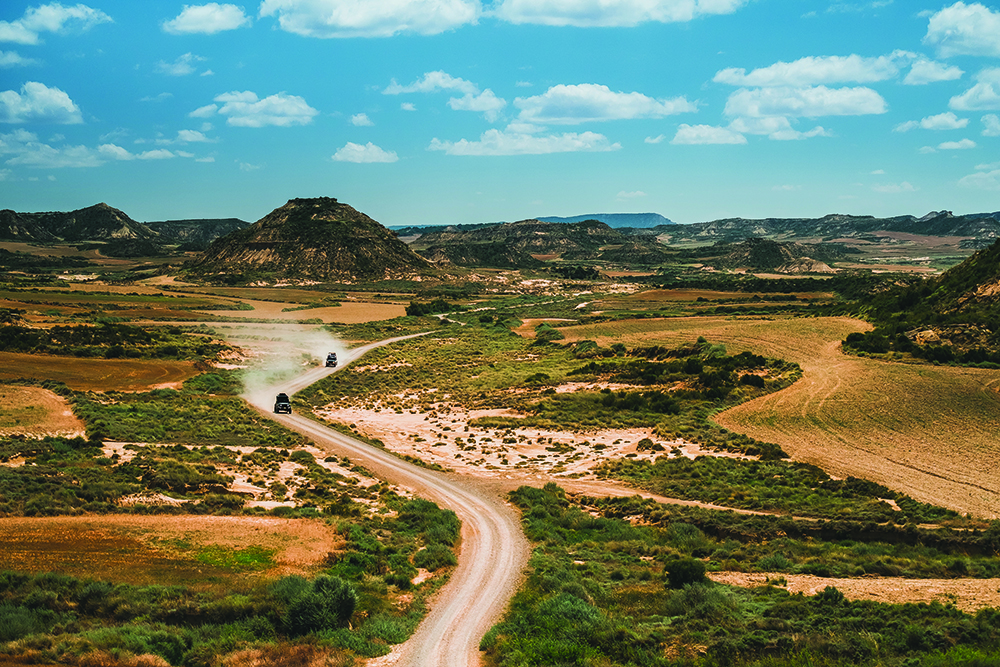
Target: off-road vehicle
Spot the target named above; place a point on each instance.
(331, 360)
(282, 405)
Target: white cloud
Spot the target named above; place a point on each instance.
(156, 98)
(361, 18)
(507, 142)
(183, 66)
(894, 188)
(590, 102)
(961, 29)
(809, 102)
(877, 172)
(927, 149)
(247, 110)
(992, 125)
(408, 106)
(433, 82)
(630, 195)
(942, 121)
(15, 59)
(364, 154)
(818, 69)
(928, 71)
(983, 180)
(655, 140)
(985, 95)
(706, 134)
(246, 166)
(207, 19)
(115, 152)
(53, 17)
(786, 188)
(37, 103)
(206, 111)
(192, 137)
(962, 145)
(777, 128)
(25, 150)
(610, 13)
(207, 72)
(988, 167)
(208, 158)
(485, 102)
(361, 120)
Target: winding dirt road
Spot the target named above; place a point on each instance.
(493, 554)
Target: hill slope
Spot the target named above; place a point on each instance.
(94, 223)
(318, 239)
(527, 243)
(616, 220)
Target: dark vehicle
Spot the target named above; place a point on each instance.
(331, 360)
(282, 405)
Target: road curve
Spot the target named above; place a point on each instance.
(493, 550)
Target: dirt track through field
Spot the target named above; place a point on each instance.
(932, 432)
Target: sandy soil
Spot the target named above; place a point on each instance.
(969, 595)
(445, 437)
(36, 412)
(97, 374)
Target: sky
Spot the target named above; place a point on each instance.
(421, 112)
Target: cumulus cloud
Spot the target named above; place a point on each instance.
(485, 102)
(361, 120)
(777, 128)
(192, 137)
(818, 69)
(961, 29)
(706, 134)
(991, 125)
(655, 140)
(37, 103)
(808, 102)
(894, 188)
(116, 152)
(53, 17)
(985, 95)
(183, 66)
(24, 149)
(359, 18)
(590, 102)
(942, 121)
(245, 109)
(983, 180)
(928, 71)
(15, 59)
(408, 106)
(962, 145)
(513, 142)
(610, 13)
(206, 19)
(364, 154)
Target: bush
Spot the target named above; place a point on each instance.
(328, 604)
(434, 557)
(685, 571)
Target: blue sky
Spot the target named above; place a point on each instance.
(452, 111)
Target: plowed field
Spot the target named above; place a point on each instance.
(97, 374)
(932, 432)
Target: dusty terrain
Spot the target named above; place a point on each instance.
(928, 431)
(36, 412)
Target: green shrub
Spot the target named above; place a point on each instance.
(434, 557)
(685, 571)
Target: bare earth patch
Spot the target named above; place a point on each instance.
(36, 412)
(969, 595)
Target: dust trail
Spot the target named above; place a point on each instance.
(280, 352)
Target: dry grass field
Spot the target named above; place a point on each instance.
(97, 374)
(932, 432)
(36, 412)
(161, 549)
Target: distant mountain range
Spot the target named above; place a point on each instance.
(616, 220)
(118, 234)
(310, 239)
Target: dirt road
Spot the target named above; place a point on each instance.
(493, 554)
